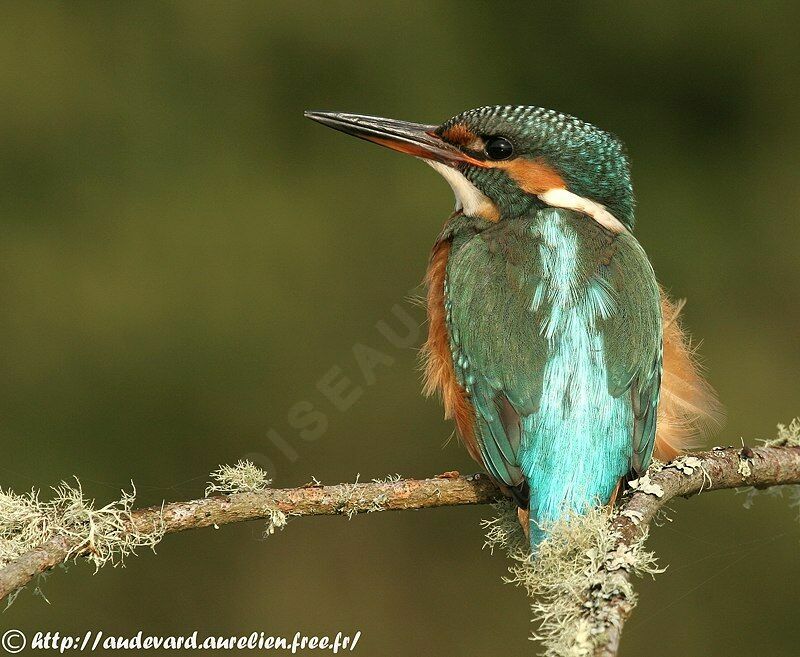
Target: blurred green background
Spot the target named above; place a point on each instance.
(184, 257)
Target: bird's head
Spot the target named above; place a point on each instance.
(503, 161)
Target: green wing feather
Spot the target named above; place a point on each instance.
(499, 355)
(633, 344)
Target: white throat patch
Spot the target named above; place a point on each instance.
(472, 201)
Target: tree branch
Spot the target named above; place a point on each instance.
(309, 500)
(720, 468)
(761, 467)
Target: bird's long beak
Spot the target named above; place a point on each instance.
(414, 139)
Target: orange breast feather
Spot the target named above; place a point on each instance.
(440, 375)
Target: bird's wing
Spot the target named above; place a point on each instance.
(633, 344)
(498, 356)
(499, 431)
(644, 401)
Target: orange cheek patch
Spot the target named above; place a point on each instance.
(532, 176)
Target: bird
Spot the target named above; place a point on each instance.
(561, 359)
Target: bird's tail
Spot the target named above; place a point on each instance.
(535, 535)
(688, 408)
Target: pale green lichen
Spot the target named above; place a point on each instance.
(244, 477)
(744, 468)
(345, 504)
(378, 503)
(350, 502)
(634, 516)
(388, 479)
(645, 485)
(276, 520)
(104, 535)
(575, 570)
(688, 464)
(788, 436)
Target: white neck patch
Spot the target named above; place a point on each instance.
(469, 199)
(474, 203)
(559, 197)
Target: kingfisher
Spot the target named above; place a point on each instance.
(551, 343)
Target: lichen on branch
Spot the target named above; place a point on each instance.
(244, 477)
(102, 535)
(574, 572)
(37, 535)
(788, 436)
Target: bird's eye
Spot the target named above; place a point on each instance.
(498, 148)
